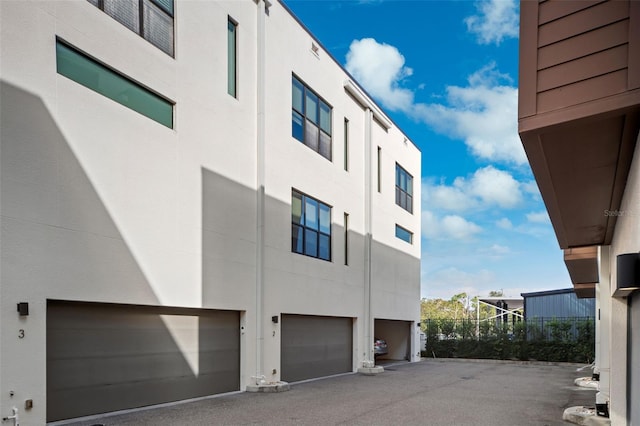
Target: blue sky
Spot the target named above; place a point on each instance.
(447, 73)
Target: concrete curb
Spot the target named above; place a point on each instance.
(584, 416)
(371, 371)
(586, 382)
(501, 361)
(269, 387)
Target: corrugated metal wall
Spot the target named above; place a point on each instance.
(559, 305)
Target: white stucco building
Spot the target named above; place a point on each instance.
(193, 195)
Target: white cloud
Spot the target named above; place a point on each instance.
(504, 223)
(538, 217)
(495, 186)
(453, 198)
(487, 187)
(380, 68)
(459, 228)
(483, 114)
(449, 227)
(496, 20)
(531, 188)
(496, 251)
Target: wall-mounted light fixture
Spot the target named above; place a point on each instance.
(23, 309)
(628, 274)
(274, 319)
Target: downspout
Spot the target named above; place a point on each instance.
(260, 185)
(369, 359)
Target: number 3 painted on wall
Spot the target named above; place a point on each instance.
(21, 334)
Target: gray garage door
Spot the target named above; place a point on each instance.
(103, 357)
(314, 346)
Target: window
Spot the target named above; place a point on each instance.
(310, 119)
(404, 189)
(232, 29)
(346, 239)
(346, 144)
(101, 79)
(151, 19)
(379, 169)
(310, 226)
(404, 235)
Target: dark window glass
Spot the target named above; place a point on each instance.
(151, 19)
(310, 242)
(324, 247)
(297, 239)
(231, 57)
(403, 234)
(310, 227)
(310, 119)
(311, 135)
(95, 76)
(404, 189)
(325, 118)
(297, 126)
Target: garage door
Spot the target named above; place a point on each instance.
(103, 358)
(314, 346)
(397, 334)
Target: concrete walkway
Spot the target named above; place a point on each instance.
(431, 392)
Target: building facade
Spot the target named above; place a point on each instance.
(195, 197)
(579, 116)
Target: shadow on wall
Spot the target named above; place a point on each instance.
(60, 242)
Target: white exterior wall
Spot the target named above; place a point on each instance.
(102, 204)
(626, 239)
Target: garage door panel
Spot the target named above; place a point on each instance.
(103, 358)
(315, 346)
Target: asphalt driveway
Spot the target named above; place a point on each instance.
(431, 392)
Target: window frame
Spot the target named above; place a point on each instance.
(232, 69)
(127, 102)
(311, 131)
(158, 4)
(405, 193)
(301, 231)
(405, 230)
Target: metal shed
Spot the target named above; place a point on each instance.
(557, 304)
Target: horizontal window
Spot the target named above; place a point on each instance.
(310, 226)
(101, 79)
(404, 235)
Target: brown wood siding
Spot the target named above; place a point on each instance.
(584, 44)
(587, 67)
(552, 10)
(583, 91)
(582, 21)
(528, 56)
(634, 45)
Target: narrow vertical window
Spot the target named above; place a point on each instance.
(379, 169)
(232, 69)
(346, 144)
(346, 239)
